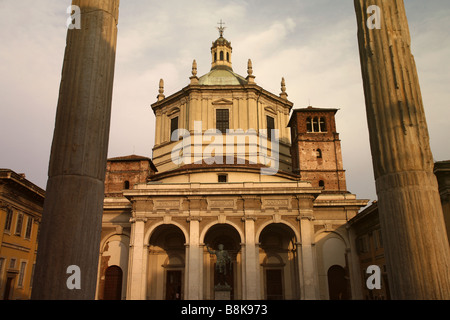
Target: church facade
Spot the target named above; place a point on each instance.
(233, 165)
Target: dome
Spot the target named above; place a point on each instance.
(221, 76)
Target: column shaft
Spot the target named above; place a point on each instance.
(251, 262)
(195, 262)
(416, 246)
(310, 286)
(137, 263)
(71, 223)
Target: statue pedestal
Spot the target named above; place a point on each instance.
(222, 292)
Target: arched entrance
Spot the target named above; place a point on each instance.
(166, 263)
(337, 283)
(113, 283)
(226, 235)
(279, 262)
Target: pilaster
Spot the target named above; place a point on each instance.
(137, 260)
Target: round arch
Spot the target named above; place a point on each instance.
(266, 224)
(209, 225)
(108, 237)
(150, 231)
(322, 233)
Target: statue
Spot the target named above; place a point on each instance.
(223, 259)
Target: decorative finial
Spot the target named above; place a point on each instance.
(221, 28)
(249, 67)
(194, 68)
(194, 78)
(283, 93)
(161, 90)
(250, 77)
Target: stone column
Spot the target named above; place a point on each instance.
(136, 286)
(194, 260)
(251, 261)
(71, 223)
(309, 291)
(416, 246)
(354, 267)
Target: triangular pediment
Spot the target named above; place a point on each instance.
(222, 101)
(270, 110)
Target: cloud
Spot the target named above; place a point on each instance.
(312, 44)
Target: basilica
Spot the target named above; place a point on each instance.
(237, 167)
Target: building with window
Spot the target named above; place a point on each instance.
(230, 166)
(21, 205)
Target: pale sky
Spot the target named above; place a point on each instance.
(312, 44)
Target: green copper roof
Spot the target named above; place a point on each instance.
(221, 77)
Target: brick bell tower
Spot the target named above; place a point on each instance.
(316, 148)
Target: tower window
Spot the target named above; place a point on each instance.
(319, 154)
(322, 125)
(321, 183)
(309, 125)
(228, 56)
(315, 125)
(221, 55)
(222, 120)
(173, 126)
(127, 185)
(270, 126)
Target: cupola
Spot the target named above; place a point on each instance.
(221, 51)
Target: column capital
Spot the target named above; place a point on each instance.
(306, 217)
(194, 218)
(249, 217)
(138, 219)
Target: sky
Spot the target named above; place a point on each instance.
(312, 44)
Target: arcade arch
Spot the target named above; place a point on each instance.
(166, 263)
(278, 258)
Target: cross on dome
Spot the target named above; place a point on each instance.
(221, 28)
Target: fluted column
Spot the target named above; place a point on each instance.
(416, 246)
(71, 223)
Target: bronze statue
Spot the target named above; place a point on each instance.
(223, 259)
